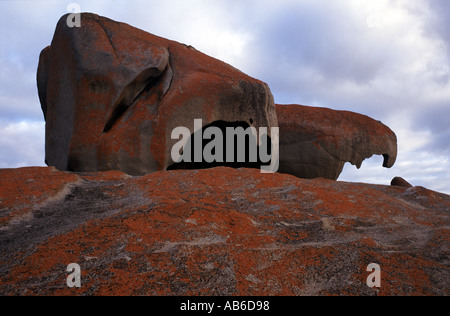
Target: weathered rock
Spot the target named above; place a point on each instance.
(400, 182)
(112, 94)
(221, 231)
(317, 142)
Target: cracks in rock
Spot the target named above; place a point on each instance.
(170, 74)
(128, 98)
(108, 37)
(87, 201)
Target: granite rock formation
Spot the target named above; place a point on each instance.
(221, 231)
(400, 182)
(317, 142)
(112, 94)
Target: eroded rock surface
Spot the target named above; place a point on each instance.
(317, 142)
(400, 182)
(221, 231)
(112, 94)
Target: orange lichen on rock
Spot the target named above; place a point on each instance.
(220, 231)
(126, 90)
(24, 189)
(317, 142)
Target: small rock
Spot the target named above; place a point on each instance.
(400, 182)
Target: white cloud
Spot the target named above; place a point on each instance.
(18, 91)
(22, 144)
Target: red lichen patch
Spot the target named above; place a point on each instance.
(104, 176)
(333, 123)
(292, 235)
(402, 273)
(316, 142)
(22, 190)
(441, 240)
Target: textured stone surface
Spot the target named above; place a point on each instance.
(317, 142)
(218, 232)
(400, 182)
(112, 94)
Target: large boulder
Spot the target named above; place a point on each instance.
(112, 94)
(317, 142)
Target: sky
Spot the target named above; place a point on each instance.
(388, 59)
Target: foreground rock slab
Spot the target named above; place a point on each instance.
(218, 232)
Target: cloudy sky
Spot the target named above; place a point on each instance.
(389, 59)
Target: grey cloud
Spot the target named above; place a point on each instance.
(322, 35)
(18, 92)
(436, 120)
(21, 144)
(439, 23)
